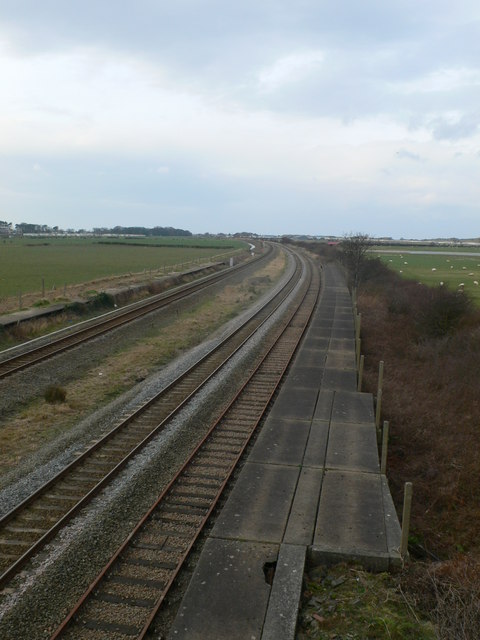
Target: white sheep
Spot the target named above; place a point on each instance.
(433, 269)
(475, 282)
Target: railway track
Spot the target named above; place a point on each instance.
(69, 338)
(127, 594)
(30, 525)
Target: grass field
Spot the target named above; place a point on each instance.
(65, 261)
(438, 266)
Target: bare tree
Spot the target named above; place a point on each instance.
(354, 247)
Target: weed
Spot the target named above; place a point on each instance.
(347, 602)
(55, 394)
(41, 303)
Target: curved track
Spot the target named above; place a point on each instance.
(30, 525)
(124, 599)
(67, 339)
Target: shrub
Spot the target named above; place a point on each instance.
(55, 394)
(440, 311)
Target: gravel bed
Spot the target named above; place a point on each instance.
(59, 370)
(38, 599)
(52, 457)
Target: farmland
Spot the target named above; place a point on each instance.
(64, 261)
(450, 267)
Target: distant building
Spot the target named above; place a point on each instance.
(5, 229)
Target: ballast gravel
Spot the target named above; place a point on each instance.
(37, 600)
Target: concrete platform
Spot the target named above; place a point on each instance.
(311, 491)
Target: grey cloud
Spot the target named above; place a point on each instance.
(467, 126)
(409, 155)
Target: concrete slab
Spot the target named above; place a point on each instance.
(353, 446)
(344, 322)
(323, 410)
(301, 376)
(295, 402)
(263, 518)
(301, 521)
(392, 527)
(341, 359)
(311, 357)
(315, 341)
(317, 444)
(227, 596)
(281, 442)
(281, 618)
(341, 332)
(350, 516)
(352, 406)
(342, 343)
(339, 379)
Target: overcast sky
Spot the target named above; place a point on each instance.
(285, 116)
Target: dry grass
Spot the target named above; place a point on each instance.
(40, 422)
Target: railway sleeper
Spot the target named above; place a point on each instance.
(165, 529)
(7, 544)
(150, 564)
(182, 515)
(185, 509)
(187, 492)
(196, 500)
(134, 581)
(109, 627)
(59, 498)
(29, 533)
(104, 596)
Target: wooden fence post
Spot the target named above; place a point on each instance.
(360, 373)
(379, 395)
(383, 464)
(407, 509)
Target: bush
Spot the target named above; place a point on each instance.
(440, 311)
(55, 394)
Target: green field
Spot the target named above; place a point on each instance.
(438, 266)
(65, 261)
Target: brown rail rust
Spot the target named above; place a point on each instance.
(127, 594)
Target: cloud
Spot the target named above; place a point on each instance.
(290, 69)
(220, 111)
(455, 126)
(409, 155)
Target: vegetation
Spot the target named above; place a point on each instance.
(430, 342)
(437, 267)
(347, 603)
(37, 422)
(61, 261)
(54, 394)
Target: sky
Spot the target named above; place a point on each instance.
(317, 117)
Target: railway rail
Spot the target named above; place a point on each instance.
(67, 339)
(30, 525)
(126, 596)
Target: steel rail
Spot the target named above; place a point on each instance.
(106, 322)
(243, 332)
(269, 368)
